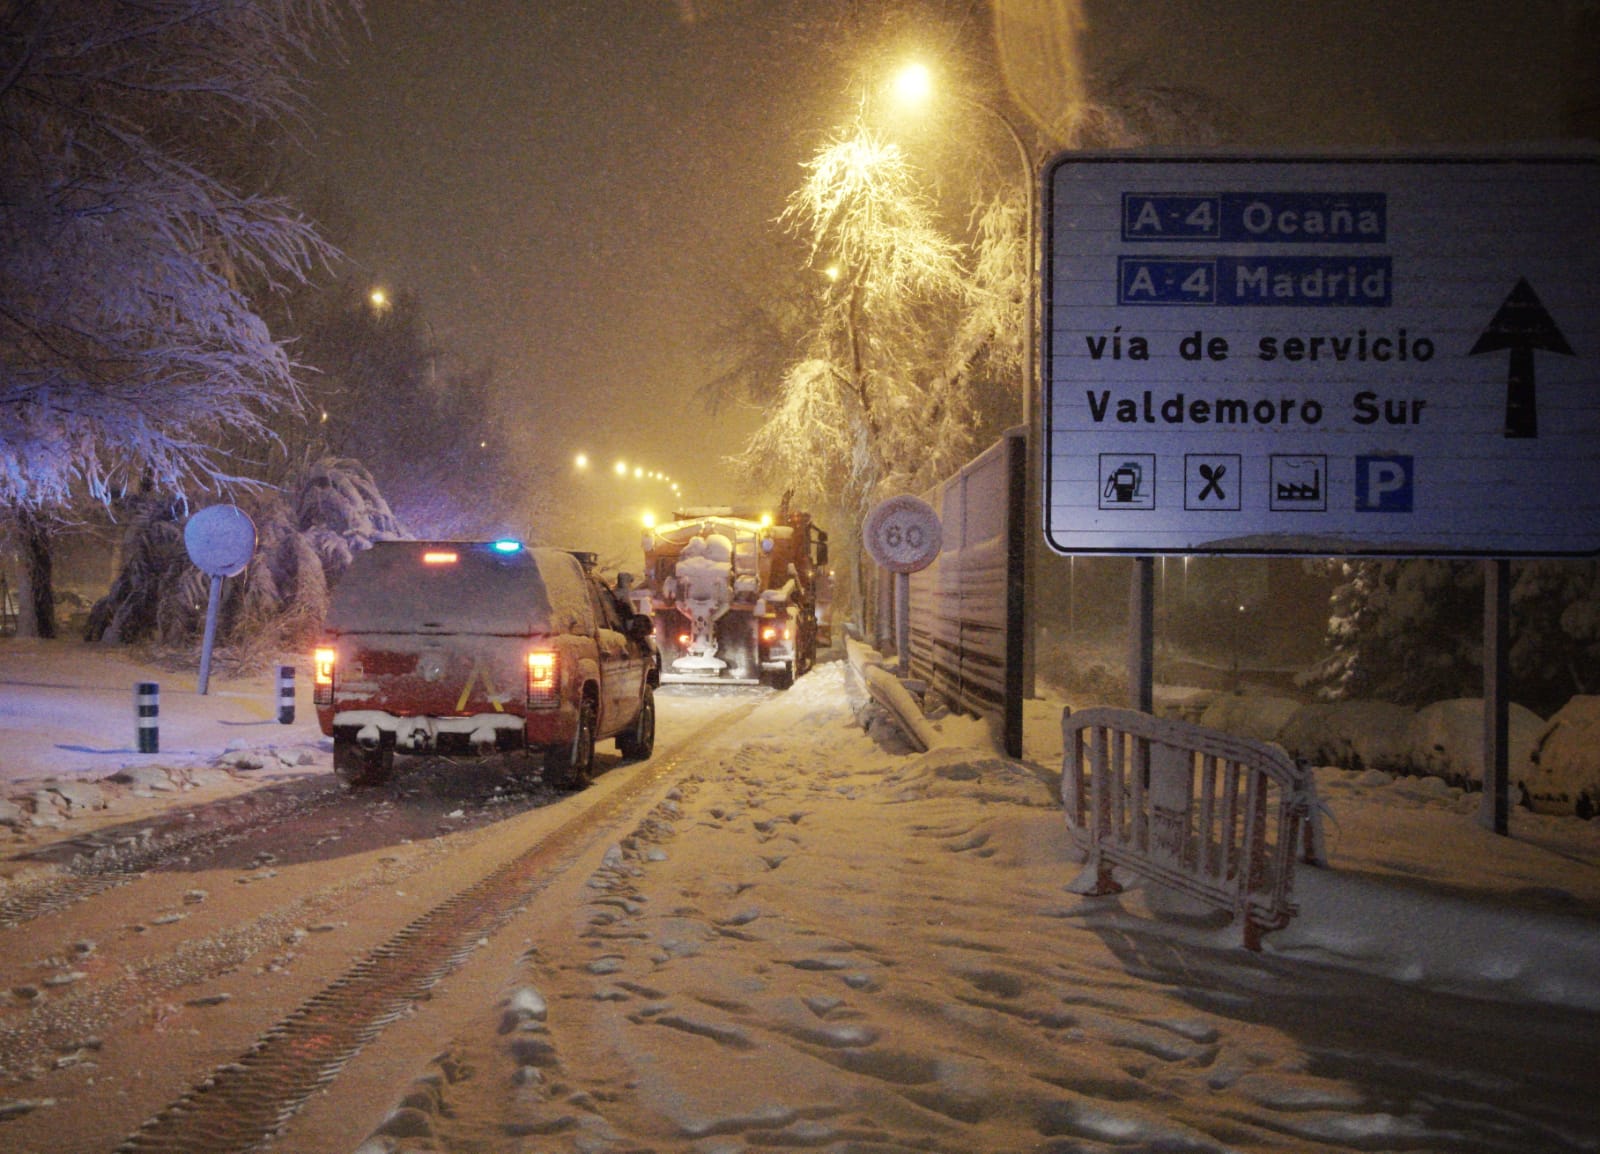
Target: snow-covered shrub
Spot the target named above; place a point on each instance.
(283, 595)
(1446, 740)
(1566, 774)
(1249, 715)
(1411, 631)
(1350, 734)
(341, 512)
(276, 605)
(1080, 672)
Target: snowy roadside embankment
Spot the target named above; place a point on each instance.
(819, 938)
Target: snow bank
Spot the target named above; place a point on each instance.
(1567, 759)
(1446, 740)
(1259, 717)
(1433, 940)
(1352, 734)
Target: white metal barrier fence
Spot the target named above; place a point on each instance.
(1212, 816)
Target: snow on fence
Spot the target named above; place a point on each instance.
(966, 608)
(1213, 816)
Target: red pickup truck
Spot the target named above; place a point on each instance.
(465, 647)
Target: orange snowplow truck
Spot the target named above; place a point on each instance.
(737, 596)
(478, 647)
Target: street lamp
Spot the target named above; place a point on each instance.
(913, 84)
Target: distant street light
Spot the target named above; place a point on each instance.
(581, 461)
(913, 84)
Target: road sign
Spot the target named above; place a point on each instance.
(1307, 355)
(221, 540)
(902, 534)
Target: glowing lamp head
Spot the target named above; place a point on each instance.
(913, 84)
(507, 545)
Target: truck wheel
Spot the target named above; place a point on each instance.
(572, 766)
(360, 768)
(640, 740)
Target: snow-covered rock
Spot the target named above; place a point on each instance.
(144, 777)
(1447, 741)
(1254, 716)
(1566, 773)
(1350, 734)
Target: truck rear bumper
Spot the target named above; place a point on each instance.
(705, 677)
(475, 733)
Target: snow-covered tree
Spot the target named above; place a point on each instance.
(868, 407)
(138, 249)
(1411, 631)
(341, 512)
(383, 391)
(131, 338)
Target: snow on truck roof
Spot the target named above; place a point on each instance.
(461, 587)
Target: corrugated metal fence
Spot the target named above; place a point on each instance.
(966, 608)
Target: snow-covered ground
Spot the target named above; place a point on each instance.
(1417, 888)
(817, 926)
(818, 939)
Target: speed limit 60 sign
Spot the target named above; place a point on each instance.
(902, 534)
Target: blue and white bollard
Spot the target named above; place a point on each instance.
(147, 706)
(285, 695)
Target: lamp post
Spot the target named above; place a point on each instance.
(914, 84)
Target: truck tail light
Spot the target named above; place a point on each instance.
(543, 683)
(322, 677)
(775, 633)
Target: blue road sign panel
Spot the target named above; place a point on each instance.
(1255, 281)
(1312, 218)
(1380, 356)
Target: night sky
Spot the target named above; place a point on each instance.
(564, 185)
(570, 187)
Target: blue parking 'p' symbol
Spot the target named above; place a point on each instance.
(1383, 484)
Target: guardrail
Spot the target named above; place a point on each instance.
(1212, 816)
(868, 678)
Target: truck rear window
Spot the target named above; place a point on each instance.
(459, 587)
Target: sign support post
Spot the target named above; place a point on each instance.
(212, 604)
(1141, 635)
(1494, 809)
